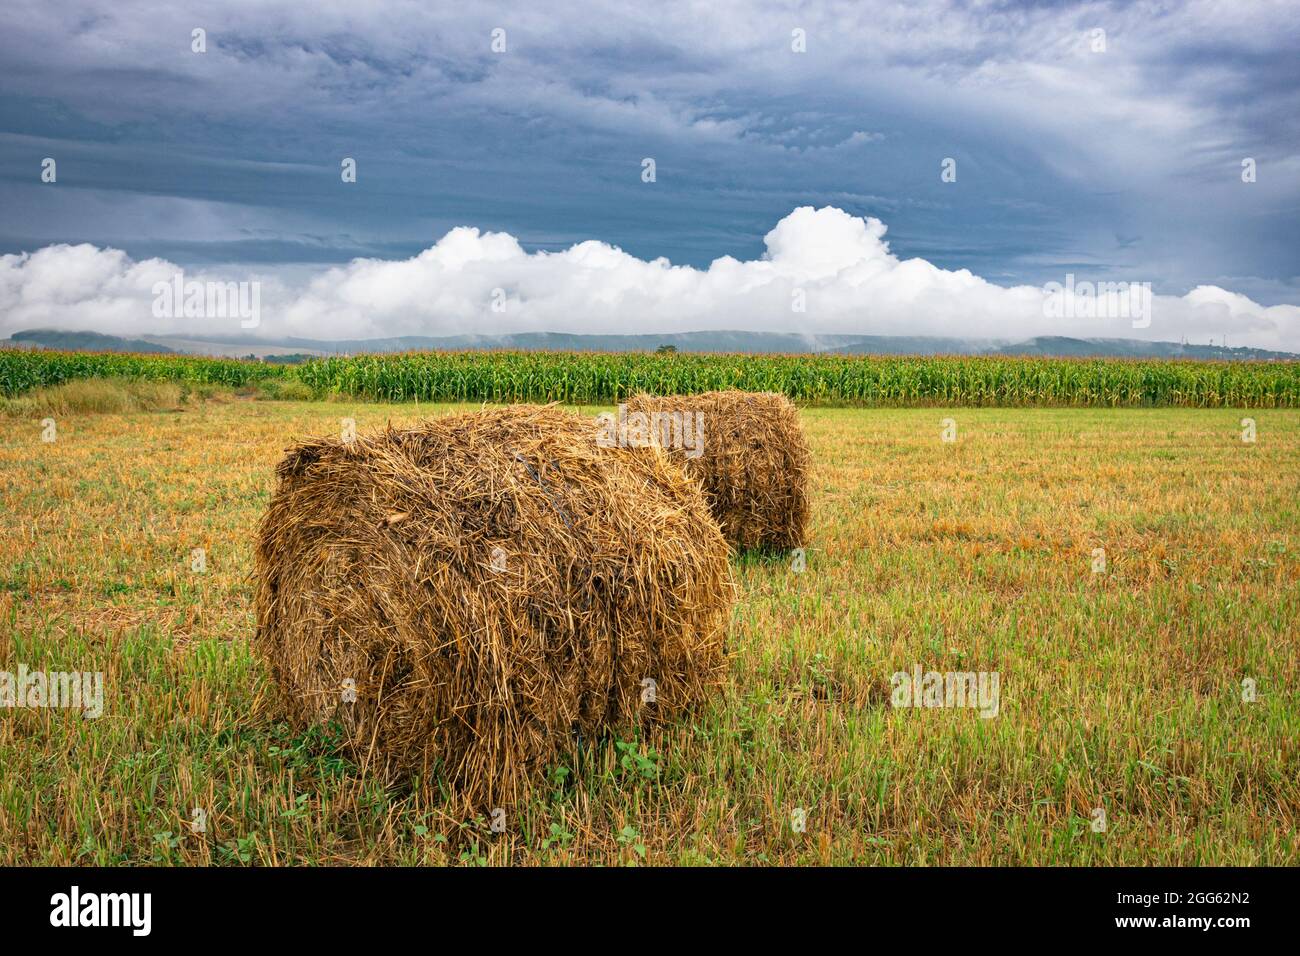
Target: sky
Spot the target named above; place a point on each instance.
(879, 168)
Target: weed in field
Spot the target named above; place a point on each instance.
(94, 396)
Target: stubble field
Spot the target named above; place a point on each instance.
(1120, 690)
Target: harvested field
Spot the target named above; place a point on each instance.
(1120, 690)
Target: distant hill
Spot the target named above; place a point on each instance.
(83, 342)
(1132, 348)
(783, 342)
(298, 349)
(915, 345)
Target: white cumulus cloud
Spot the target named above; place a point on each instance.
(839, 267)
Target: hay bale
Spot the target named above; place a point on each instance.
(493, 584)
(752, 463)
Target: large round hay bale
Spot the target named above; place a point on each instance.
(469, 597)
(753, 460)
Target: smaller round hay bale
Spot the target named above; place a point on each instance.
(752, 461)
(467, 597)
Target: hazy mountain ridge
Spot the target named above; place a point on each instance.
(82, 342)
(722, 341)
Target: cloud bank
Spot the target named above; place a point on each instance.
(823, 271)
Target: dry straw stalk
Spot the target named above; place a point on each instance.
(496, 586)
(753, 467)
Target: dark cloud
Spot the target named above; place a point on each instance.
(1060, 151)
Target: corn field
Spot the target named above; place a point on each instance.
(594, 378)
(21, 369)
(588, 378)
